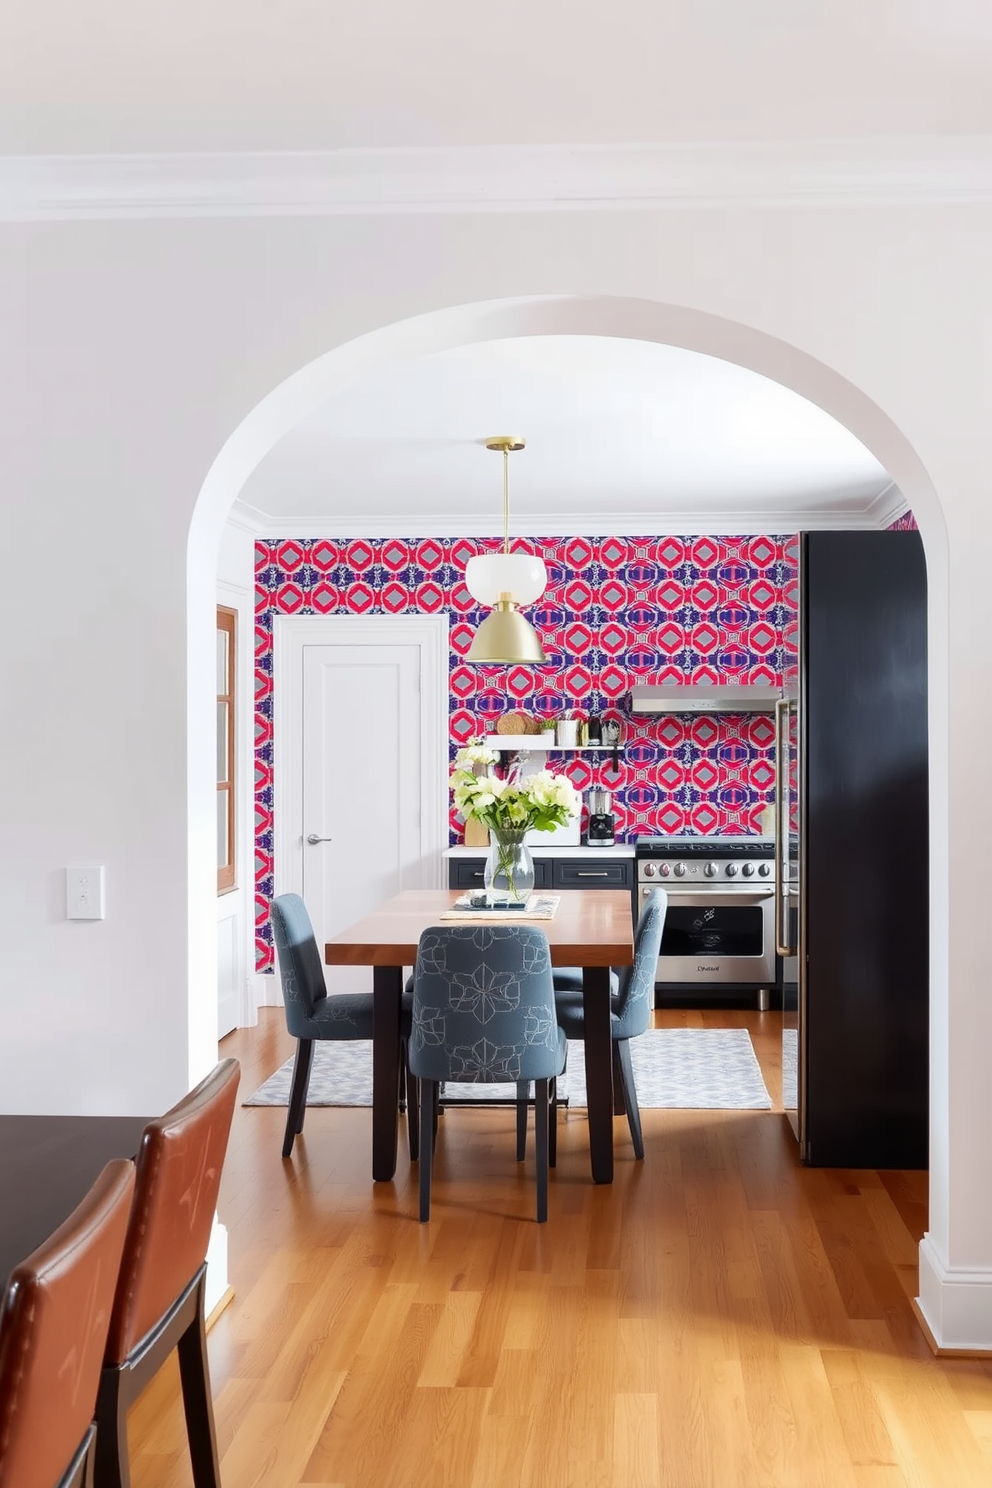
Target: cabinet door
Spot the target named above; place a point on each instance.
(587, 873)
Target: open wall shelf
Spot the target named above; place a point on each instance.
(511, 743)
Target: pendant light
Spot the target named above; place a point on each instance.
(505, 581)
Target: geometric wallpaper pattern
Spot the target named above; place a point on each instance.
(905, 523)
(617, 611)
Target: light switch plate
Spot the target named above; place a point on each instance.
(84, 896)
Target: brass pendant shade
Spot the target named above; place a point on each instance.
(506, 581)
(505, 636)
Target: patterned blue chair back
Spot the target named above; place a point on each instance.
(484, 1005)
(635, 997)
(300, 971)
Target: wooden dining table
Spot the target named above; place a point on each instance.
(47, 1164)
(592, 929)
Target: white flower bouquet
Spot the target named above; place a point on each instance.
(518, 804)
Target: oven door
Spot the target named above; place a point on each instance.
(718, 935)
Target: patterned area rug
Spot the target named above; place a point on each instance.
(689, 1068)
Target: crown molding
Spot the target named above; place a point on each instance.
(875, 172)
(887, 507)
(246, 518)
(620, 524)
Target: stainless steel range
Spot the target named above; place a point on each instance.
(720, 926)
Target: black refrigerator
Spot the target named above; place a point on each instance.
(852, 834)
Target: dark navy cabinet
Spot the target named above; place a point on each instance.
(562, 872)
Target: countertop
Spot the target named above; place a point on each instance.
(624, 850)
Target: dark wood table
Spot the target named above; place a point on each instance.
(591, 929)
(47, 1164)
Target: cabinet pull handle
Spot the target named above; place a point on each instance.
(478, 873)
(581, 873)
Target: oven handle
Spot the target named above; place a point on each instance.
(783, 708)
(678, 892)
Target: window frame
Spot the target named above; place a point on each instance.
(227, 622)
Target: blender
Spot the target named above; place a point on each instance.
(599, 832)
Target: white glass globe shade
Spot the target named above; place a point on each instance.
(521, 575)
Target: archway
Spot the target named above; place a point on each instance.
(631, 319)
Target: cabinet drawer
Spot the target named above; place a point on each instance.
(586, 873)
(467, 873)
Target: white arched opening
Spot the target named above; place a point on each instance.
(631, 319)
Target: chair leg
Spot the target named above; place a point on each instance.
(541, 1143)
(194, 1374)
(622, 1047)
(402, 1077)
(413, 1115)
(619, 1108)
(306, 1090)
(298, 1094)
(553, 1124)
(112, 1469)
(428, 1122)
(523, 1093)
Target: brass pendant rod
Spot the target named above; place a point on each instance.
(505, 443)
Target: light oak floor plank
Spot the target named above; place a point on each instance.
(719, 1316)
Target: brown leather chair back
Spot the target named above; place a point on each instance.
(179, 1167)
(53, 1331)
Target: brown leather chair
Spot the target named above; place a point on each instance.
(159, 1301)
(53, 1333)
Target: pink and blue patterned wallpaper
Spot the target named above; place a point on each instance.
(617, 611)
(905, 523)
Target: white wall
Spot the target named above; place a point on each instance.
(131, 353)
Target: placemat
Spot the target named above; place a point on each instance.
(539, 907)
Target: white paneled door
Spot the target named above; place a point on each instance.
(361, 784)
(364, 708)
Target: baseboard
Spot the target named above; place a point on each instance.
(268, 992)
(935, 1347)
(954, 1307)
(217, 1284)
(218, 1308)
(744, 998)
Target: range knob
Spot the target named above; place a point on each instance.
(666, 869)
(748, 870)
(680, 870)
(731, 870)
(650, 870)
(710, 870)
(764, 869)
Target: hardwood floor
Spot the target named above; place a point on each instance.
(720, 1316)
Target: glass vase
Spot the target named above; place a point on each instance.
(509, 872)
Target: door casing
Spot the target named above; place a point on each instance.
(291, 634)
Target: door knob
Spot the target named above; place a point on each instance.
(313, 839)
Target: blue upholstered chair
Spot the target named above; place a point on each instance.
(569, 979)
(630, 1005)
(484, 1012)
(312, 1015)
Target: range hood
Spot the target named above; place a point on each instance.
(703, 697)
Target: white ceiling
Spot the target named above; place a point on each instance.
(645, 435)
(628, 436)
(129, 76)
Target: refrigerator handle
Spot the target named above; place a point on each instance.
(783, 708)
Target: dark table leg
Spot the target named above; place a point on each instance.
(599, 1069)
(387, 988)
